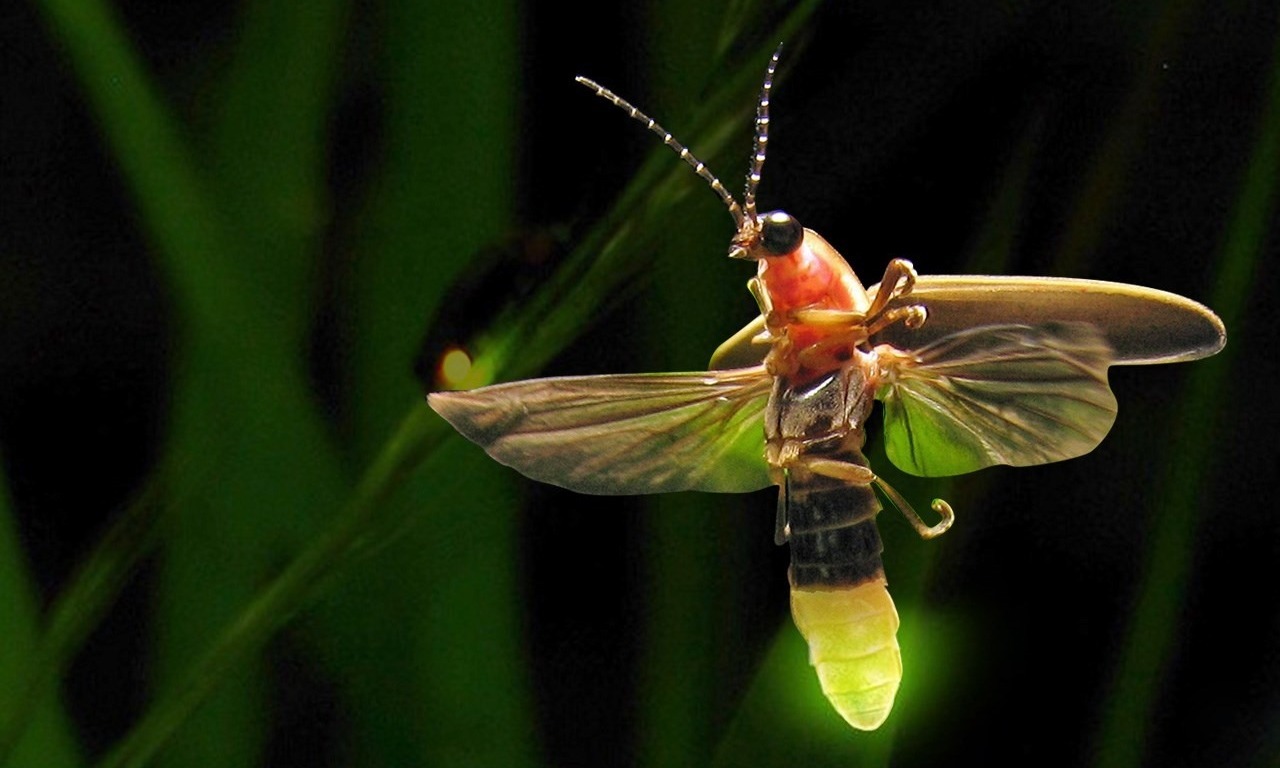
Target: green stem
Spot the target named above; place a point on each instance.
(78, 610)
(418, 434)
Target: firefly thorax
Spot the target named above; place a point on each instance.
(758, 236)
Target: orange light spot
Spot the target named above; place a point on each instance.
(455, 366)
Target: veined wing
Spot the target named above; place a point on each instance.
(1003, 394)
(1141, 325)
(628, 434)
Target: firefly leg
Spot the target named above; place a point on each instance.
(838, 348)
(782, 526)
(938, 505)
(780, 361)
(860, 325)
(898, 281)
(840, 470)
(828, 318)
(772, 322)
(897, 271)
(860, 475)
(912, 316)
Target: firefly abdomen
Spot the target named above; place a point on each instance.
(838, 595)
(853, 646)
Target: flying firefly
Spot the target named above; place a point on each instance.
(972, 371)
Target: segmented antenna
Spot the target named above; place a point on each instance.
(744, 216)
(762, 138)
(698, 166)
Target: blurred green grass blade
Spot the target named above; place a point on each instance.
(43, 736)
(446, 187)
(242, 406)
(73, 616)
(257, 474)
(993, 248)
(444, 650)
(1156, 617)
(1105, 182)
(679, 696)
(230, 316)
(268, 142)
(149, 145)
(275, 474)
(452, 641)
(303, 579)
(228, 311)
(218, 548)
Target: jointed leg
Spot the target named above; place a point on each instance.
(840, 470)
(912, 316)
(938, 505)
(897, 271)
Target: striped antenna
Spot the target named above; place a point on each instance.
(744, 216)
(698, 166)
(762, 138)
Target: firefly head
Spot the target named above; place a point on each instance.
(776, 233)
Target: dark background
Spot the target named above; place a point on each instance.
(386, 178)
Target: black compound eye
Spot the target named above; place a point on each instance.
(780, 233)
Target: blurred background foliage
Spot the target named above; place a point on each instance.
(232, 534)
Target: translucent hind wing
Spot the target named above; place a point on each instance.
(628, 434)
(1003, 394)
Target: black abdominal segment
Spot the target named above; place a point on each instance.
(834, 541)
(829, 517)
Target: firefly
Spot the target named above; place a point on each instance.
(971, 371)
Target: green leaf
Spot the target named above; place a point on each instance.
(30, 715)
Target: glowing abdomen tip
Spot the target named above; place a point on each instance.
(853, 645)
